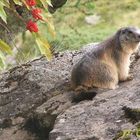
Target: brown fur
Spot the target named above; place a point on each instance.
(106, 65)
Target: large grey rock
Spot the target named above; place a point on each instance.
(101, 118)
(35, 98)
(26, 89)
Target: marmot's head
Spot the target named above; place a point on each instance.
(129, 38)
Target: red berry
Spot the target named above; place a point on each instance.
(31, 26)
(36, 13)
(31, 2)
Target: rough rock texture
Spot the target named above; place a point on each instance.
(24, 89)
(35, 103)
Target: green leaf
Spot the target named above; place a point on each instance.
(49, 21)
(18, 2)
(2, 61)
(24, 2)
(5, 3)
(51, 29)
(44, 3)
(44, 47)
(49, 3)
(4, 47)
(2, 12)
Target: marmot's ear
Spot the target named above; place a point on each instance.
(123, 30)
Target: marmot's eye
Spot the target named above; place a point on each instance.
(123, 31)
(130, 32)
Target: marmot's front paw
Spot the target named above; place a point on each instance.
(130, 77)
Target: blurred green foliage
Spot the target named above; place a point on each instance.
(72, 30)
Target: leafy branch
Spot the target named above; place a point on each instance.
(39, 12)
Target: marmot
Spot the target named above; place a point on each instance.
(108, 63)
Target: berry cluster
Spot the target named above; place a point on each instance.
(36, 14)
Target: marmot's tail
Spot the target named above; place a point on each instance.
(83, 95)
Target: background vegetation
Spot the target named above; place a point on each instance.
(72, 30)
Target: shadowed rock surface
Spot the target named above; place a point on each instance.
(35, 103)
